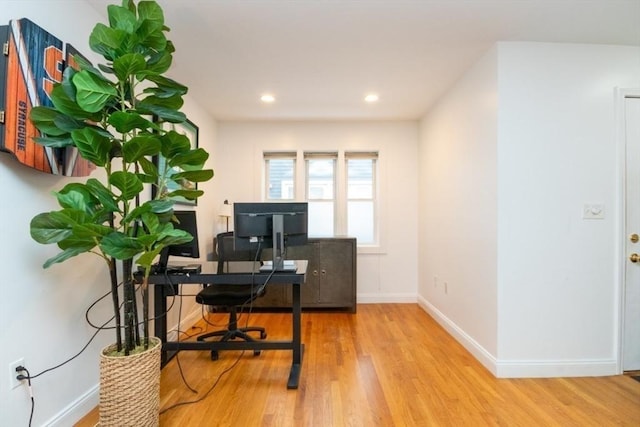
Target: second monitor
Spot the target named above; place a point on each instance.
(275, 225)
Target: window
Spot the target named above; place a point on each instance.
(321, 190)
(361, 196)
(340, 187)
(280, 171)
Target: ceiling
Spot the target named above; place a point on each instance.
(320, 57)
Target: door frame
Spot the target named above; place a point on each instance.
(621, 94)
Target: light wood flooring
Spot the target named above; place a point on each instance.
(387, 365)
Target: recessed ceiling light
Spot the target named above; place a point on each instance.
(267, 98)
(372, 97)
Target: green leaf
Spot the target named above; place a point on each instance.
(175, 237)
(193, 176)
(48, 227)
(162, 207)
(121, 246)
(138, 212)
(174, 102)
(148, 166)
(103, 194)
(147, 258)
(55, 142)
(129, 64)
(105, 40)
(65, 255)
(187, 194)
(78, 199)
(92, 145)
(150, 35)
(66, 105)
(159, 62)
(121, 18)
(44, 118)
(151, 11)
(165, 114)
(125, 122)
(193, 158)
(174, 143)
(128, 184)
(67, 82)
(167, 83)
(140, 146)
(93, 93)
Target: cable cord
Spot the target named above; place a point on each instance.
(33, 401)
(213, 386)
(233, 365)
(184, 380)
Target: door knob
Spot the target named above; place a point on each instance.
(634, 257)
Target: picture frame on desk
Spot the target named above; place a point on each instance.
(190, 130)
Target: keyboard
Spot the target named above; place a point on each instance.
(175, 269)
(184, 269)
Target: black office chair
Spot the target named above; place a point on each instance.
(231, 297)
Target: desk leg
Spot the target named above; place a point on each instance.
(160, 318)
(298, 348)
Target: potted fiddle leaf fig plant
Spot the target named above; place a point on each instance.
(113, 115)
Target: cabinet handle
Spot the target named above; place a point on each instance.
(315, 272)
(323, 272)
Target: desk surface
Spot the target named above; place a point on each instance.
(234, 271)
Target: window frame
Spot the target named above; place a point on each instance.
(267, 156)
(333, 157)
(340, 188)
(375, 192)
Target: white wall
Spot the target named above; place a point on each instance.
(42, 311)
(387, 274)
(458, 217)
(552, 291)
(558, 288)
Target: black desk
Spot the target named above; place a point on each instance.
(236, 272)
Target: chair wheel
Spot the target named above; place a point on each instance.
(263, 335)
(214, 355)
(256, 352)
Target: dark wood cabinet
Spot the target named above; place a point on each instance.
(331, 276)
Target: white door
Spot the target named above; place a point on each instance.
(631, 326)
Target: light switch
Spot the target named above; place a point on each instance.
(593, 211)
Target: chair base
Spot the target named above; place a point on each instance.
(233, 332)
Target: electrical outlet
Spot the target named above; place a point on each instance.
(13, 381)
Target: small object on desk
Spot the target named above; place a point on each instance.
(287, 265)
(184, 269)
(174, 269)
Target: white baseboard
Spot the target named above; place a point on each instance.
(521, 368)
(89, 400)
(483, 356)
(556, 368)
(185, 323)
(76, 410)
(386, 298)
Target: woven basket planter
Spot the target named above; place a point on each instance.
(130, 387)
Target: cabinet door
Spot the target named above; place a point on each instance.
(309, 292)
(336, 272)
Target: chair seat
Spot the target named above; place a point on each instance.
(228, 295)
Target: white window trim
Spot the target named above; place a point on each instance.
(340, 200)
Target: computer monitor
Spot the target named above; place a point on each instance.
(275, 225)
(186, 222)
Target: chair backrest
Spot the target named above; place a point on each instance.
(225, 251)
